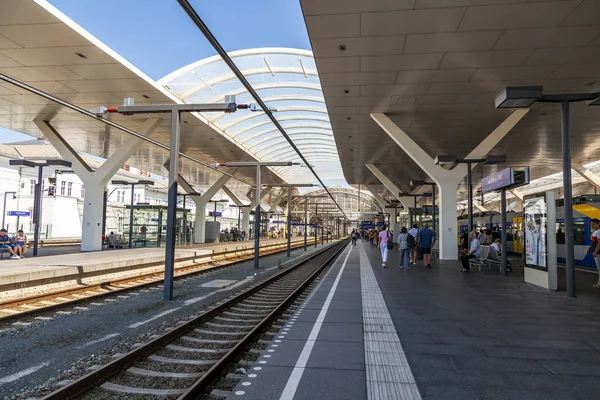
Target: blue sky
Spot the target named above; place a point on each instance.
(158, 37)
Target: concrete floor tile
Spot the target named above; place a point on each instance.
(443, 392)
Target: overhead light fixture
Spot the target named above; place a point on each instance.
(495, 160)
(519, 96)
(444, 160)
(59, 163)
(22, 163)
(417, 183)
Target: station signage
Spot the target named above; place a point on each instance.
(215, 213)
(505, 179)
(19, 214)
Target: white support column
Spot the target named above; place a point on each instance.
(516, 193)
(479, 206)
(201, 202)
(446, 180)
(274, 204)
(394, 190)
(94, 181)
(244, 210)
(513, 205)
(380, 200)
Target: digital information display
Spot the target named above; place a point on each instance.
(535, 221)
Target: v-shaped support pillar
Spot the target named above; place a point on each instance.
(94, 181)
(446, 180)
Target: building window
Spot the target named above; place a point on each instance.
(82, 191)
(63, 185)
(32, 186)
(70, 189)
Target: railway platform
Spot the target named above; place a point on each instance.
(31, 272)
(372, 333)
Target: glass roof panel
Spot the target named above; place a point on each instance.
(287, 80)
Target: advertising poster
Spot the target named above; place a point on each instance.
(535, 225)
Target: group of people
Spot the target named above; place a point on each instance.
(472, 242)
(16, 245)
(234, 234)
(410, 243)
(413, 242)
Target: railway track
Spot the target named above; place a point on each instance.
(32, 306)
(186, 361)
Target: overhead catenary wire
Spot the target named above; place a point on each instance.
(90, 114)
(191, 12)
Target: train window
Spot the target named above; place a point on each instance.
(579, 232)
(560, 233)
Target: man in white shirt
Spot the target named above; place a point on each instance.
(414, 232)
(473, 252)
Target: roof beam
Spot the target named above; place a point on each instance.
(586, 174)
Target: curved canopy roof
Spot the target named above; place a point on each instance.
(286, 80)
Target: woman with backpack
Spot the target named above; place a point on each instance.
(384, 239)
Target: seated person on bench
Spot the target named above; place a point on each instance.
(21, 244)
(496, 248)
(6, 243)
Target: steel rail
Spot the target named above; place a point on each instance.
(216, 371)
(101, 374)
(90, 114)
(266, 250)
(187, 7)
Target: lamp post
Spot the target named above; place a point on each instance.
(4, 207)
(37, 201)
(257, 194)
(175, 110)
(450, 161)
(525, 96)
(132, 184)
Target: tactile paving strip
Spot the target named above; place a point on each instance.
(388, 374)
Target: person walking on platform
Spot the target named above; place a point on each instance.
(595, 247)
(403, 247)
(473, 252)
(353, 235)
(426, 239)
(384, 237)
(413, 243)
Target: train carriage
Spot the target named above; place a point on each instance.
(584, 209)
